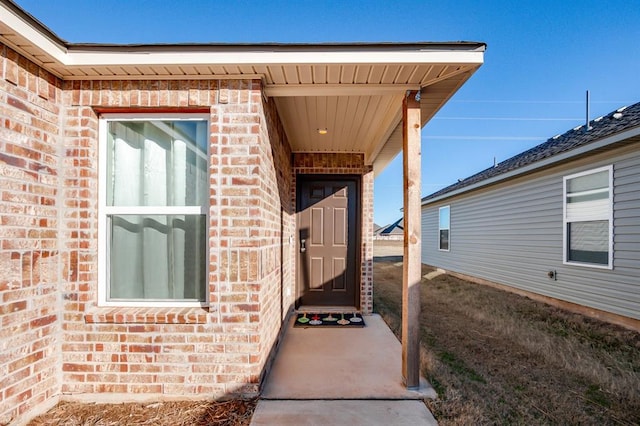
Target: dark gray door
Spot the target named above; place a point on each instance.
(327, 241)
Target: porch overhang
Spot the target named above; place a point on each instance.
(353, 91)
(366, 98)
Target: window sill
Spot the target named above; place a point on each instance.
(120, 315)
(589, 265)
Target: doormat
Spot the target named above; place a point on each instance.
(310, 320)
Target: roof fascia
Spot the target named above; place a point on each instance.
(31, 29)
(273, 46)
(15, 9)
(79, 54)
(267, 57)
(558, 158)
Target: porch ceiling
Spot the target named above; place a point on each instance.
(354, 91)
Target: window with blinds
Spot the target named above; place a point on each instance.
(588, 218)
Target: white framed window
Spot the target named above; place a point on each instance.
(153, 210)
(444, 227)
(588, 218)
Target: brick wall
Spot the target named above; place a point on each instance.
(182, 352)
(347, 164)
(30, 248)
(55, 340)
(277, 230)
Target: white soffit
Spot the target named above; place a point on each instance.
(353, 90)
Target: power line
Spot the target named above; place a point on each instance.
(483, 138)
(499, 101)
(507, 118)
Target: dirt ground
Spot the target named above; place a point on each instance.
(493, 357)
(499, 358)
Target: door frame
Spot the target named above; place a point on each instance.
(357, 180)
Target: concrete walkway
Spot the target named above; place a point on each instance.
(352, 376)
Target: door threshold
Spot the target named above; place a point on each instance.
(327, 309)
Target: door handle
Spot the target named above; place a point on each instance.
(303, 248)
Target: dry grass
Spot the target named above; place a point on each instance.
(498, 358)
(236, 412)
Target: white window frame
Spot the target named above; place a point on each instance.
(609, 217)
(104, 210)
(441, 229)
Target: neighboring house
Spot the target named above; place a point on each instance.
(376, 228)
(559, 222)
(395, 231)
(164, 207)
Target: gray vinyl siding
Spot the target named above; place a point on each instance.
(512, 235)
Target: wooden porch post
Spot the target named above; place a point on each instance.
(412, 264)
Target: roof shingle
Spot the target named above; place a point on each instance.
(615, 122)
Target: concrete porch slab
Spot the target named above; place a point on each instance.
(343, 363)
(342, 412)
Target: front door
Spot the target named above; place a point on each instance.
(328, 239)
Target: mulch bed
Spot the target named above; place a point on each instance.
(174, 413)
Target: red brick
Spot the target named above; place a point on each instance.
(12, 161)
(111, 388)
(13, 307)
(25, 361)
(40, 322)
(139, 388)
(144, 348)
(73, 367)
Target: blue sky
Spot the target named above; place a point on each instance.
(541, 58)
